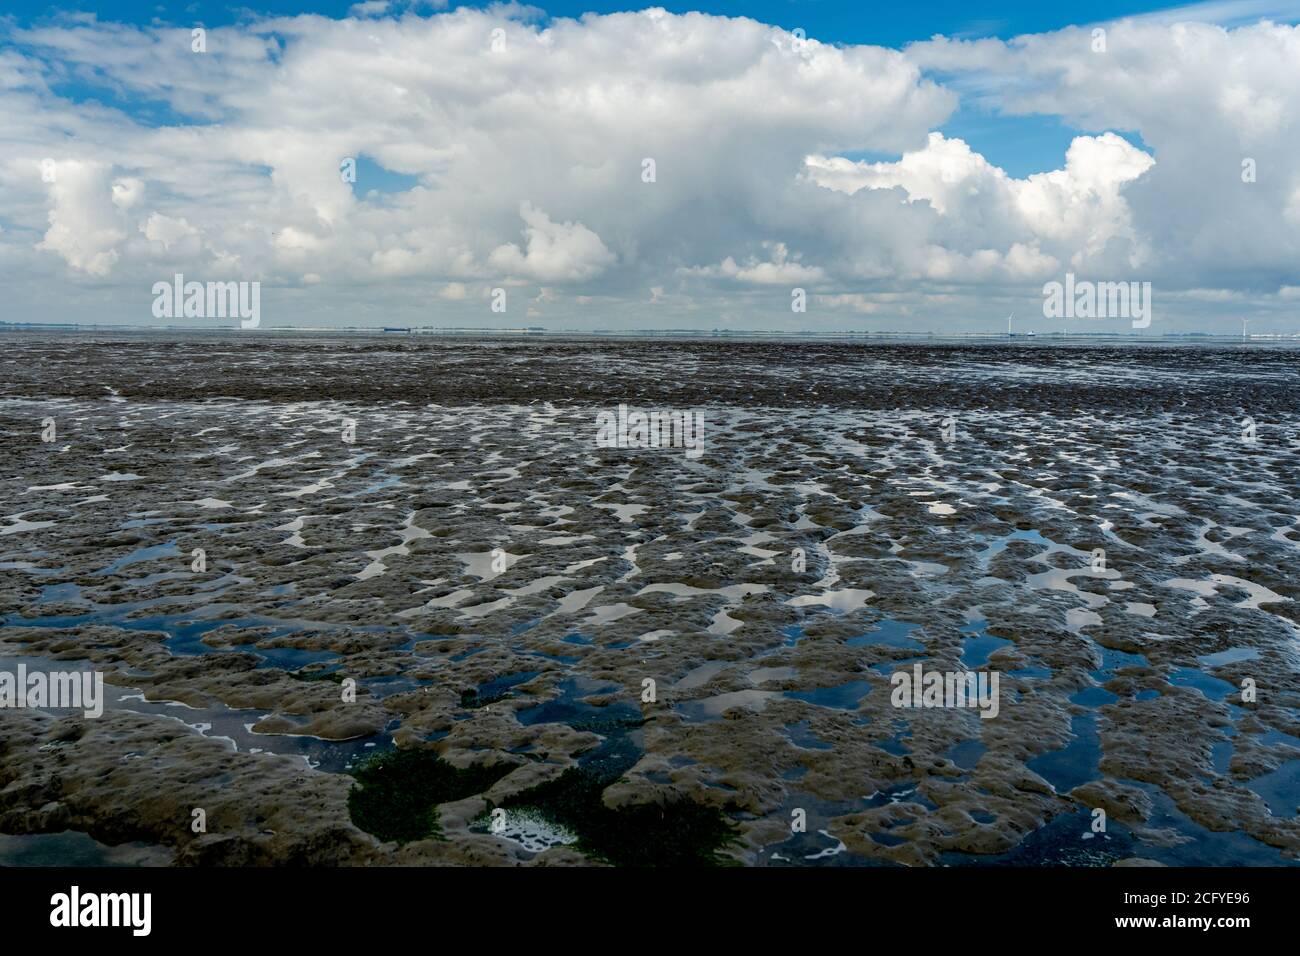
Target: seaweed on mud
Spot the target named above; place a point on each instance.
(679, 832)
(397, 793)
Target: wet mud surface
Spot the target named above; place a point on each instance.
(498, 590)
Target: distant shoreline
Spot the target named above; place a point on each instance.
(1019, 338)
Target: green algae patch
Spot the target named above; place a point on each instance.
(678, 833)
(397, 793)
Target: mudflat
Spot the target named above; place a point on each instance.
(370, 599)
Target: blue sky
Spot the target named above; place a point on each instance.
(839, 21)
